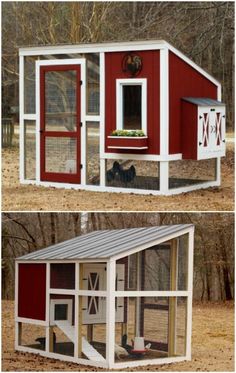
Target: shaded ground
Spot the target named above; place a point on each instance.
(18, 197)
(212, 344)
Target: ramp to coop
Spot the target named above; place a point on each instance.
(87, 349)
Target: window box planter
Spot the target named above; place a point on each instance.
(127, 142)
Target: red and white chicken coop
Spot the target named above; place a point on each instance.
(124, 117)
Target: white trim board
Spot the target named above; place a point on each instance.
(112, 47)
(96, 188)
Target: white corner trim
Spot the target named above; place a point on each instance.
(120, 83)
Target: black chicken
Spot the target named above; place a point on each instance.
(124, 344)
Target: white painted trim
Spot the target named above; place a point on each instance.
(128, 147)
(96, 188)
(92, 118)
(93, 48)
(61, 357)
(29, 116)
(16, 304)
(102, 121)
(53, 303)
(218, 170)
(64, 261)
(119, 101)
(47, 316)
(153, 243)
(92, 293)
(21, 119)
(138, 293)
(136, 363)
(62, 291)
(31, 321)
(110, 312)
(76, 312)
(143, 157)
(37, 108)
(164, 177)
(190, 290)
(164, 102)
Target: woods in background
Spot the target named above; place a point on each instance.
(204, 31)
(214, 242)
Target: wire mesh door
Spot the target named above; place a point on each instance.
(60, 117)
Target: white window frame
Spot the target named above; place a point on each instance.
(53, 303)
(119, 102)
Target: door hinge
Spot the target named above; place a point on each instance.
(200, 117)
(81, 166)
(223, 140)
(81, 124)
(200, 143)
(81, 82)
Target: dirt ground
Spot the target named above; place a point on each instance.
(17, 197)
(212, 344)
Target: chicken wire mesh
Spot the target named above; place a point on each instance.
(61, 154)
(132, 174)
(33, 336)
(30, 149)
(93, 153)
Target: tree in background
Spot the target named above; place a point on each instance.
(204, 31)
(214, 242)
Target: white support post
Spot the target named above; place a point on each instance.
(164, 177)
(21, 119)
(37, 126)
(137, 299)
(164, 119)
(76, 342)
(102, 121)
(190, 296)
(48, 308)
(110, 308)
(218, 170)
(16, 305)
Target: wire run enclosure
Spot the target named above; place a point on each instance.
(112, 299)
(74, 98)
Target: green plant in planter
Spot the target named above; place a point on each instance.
(134, 133)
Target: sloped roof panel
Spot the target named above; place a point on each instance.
(104, 244)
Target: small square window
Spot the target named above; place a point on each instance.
(61, 311)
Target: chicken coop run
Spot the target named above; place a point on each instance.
(113, 298)
(121, 117)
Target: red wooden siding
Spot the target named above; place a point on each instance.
(32, 291)
(189, 138)
(184, 81)
(62, 276)
(150, 71)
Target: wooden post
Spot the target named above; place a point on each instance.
(90, 333)
(51, 339)
(80, 311)
(19, 333)
(172, 300)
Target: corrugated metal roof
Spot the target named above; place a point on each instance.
(104, 244)
(203, 101)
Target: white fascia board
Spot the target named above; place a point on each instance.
(64, 261)
(154, 242)
(194, 65)
(92, 48)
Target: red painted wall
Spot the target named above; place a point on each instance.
(32, 291)
(151, 71)
(62, 276)
(184, 81)
(189, 138)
